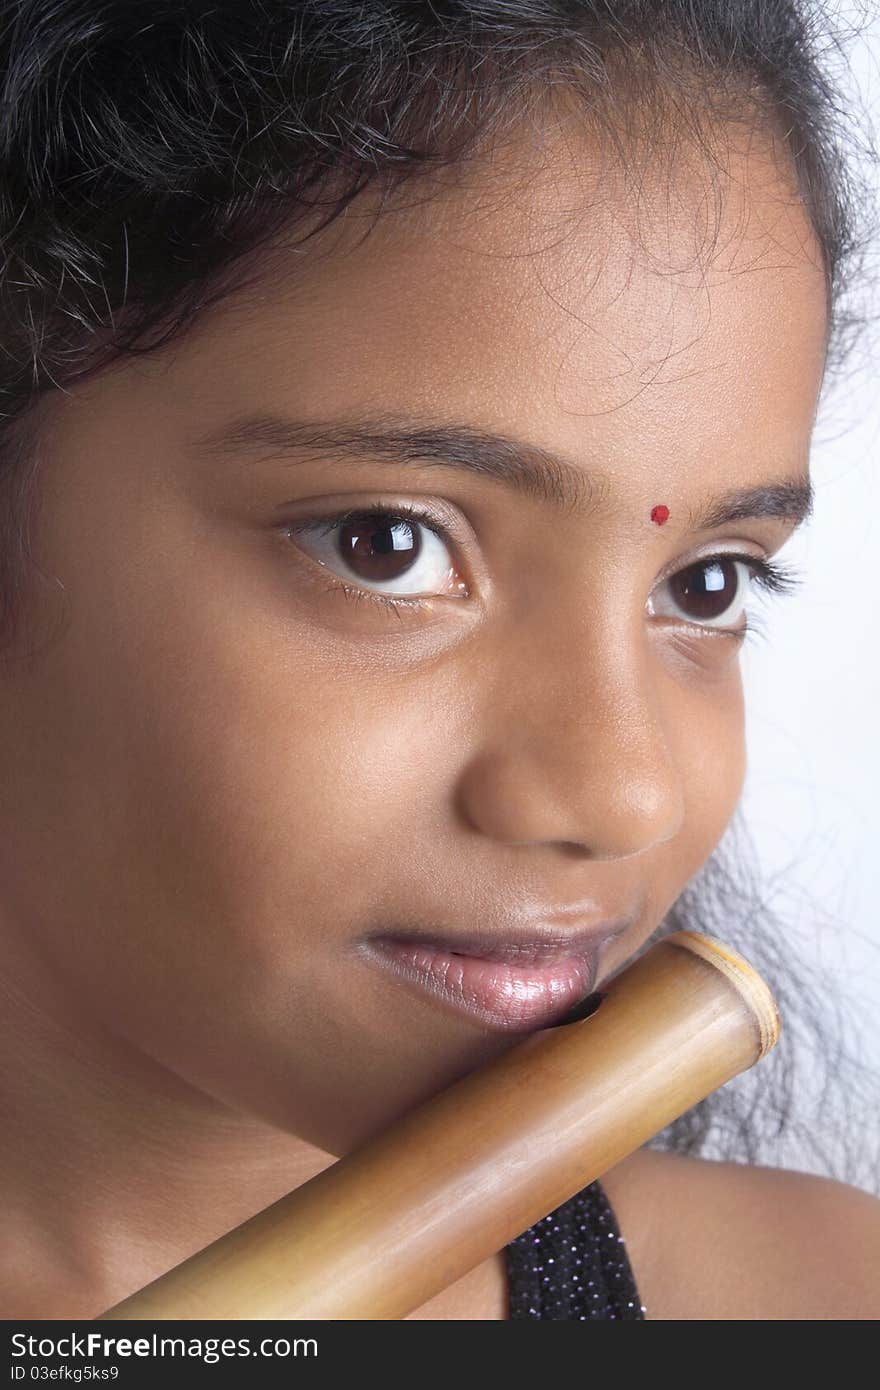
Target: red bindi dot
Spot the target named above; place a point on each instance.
(659, 514)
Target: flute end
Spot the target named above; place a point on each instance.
(752, 986)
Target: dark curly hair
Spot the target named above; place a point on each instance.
(149, 147)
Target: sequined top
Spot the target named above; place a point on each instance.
(573, 1264)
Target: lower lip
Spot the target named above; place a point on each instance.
(511, 998)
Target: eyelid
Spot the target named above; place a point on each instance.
(712, 552)
(437, 515)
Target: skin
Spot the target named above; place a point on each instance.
(220, 774)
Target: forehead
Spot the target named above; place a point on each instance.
(664, 310)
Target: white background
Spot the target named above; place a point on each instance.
(812, 681)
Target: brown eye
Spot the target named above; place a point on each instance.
(375, 549)
(711, 592)
(397, 552)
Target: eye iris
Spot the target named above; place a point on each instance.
(375, 548)
(706, 590)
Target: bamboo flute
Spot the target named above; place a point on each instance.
(394, 1222)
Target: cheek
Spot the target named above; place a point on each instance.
(283, 782)
(274, 796)
(709, 737)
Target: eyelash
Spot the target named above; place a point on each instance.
(768, 575)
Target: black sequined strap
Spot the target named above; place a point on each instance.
(573, 1265)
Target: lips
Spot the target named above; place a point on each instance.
(509, 985)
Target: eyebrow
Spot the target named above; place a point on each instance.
(525, 468)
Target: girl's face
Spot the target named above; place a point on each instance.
(228, 762)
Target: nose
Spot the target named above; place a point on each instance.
(574, 750)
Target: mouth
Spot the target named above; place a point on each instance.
(509, 986)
